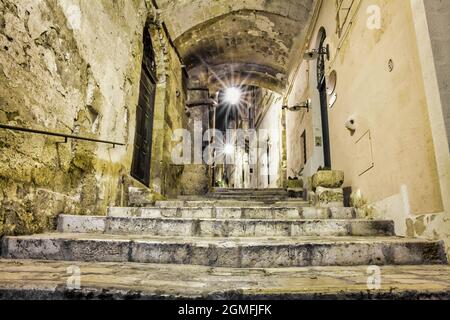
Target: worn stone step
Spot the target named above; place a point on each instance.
(230, 204)
(268, 190)
(248, 196)
(44, 280)
(245, 191)
(249, 192)
(224, 228)
(234, 212)
(282, 193)
(264, 199)
(265, 252)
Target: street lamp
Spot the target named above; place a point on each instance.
(233, 95)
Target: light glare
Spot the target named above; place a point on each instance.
(233, 95)
(228, 149)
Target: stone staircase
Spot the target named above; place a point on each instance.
(228, 228)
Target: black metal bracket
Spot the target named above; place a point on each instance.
(306, 105)
(325, 51)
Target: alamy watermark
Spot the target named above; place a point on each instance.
(374, 278)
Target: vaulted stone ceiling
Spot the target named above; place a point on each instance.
(251, 41)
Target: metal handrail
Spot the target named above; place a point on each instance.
(62, 135)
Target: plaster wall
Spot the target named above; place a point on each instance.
(390, 157)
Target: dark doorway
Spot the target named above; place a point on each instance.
(322, 87)
(144, 115)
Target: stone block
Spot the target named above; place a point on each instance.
(314, 213)
(257, 213)
(295, 184)
(195, 180)
(196, 213)
(140, 197)
(295, 193)
(169, 204)
(342, 213)
(228, 213)
(327, 197)
(328, 179)
(241, 252)
(81, 224)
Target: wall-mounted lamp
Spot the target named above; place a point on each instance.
(315, 53)
(305, 105)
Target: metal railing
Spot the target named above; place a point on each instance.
(61, 135)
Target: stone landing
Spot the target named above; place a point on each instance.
(39, 280)
(256, 238)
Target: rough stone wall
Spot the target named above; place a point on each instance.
(74, 67)
(389, 104)
(195, 179)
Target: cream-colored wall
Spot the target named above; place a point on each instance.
(299, 122)
(432, 37)
(391, 105)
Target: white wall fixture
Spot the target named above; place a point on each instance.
(351, 124)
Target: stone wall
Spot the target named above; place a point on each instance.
(74, 67)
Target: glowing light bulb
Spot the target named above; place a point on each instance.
(228, 149)
(233, 95)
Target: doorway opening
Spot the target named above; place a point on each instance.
(142, 153)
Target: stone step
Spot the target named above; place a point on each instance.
(230, 204)
(217, 189)
(226, 252)
(248, 198)
(265, 191)
(44, 280)
(223, 228)
(234, 213)
(250, 192)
